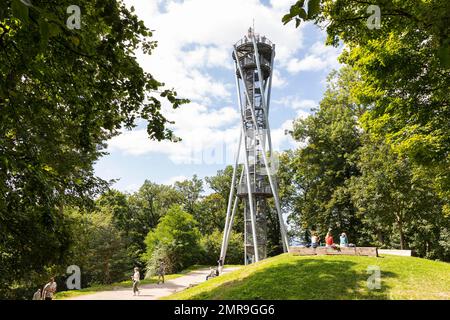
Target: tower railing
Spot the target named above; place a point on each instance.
(258, 38)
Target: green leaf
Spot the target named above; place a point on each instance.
(54, 29)
(302, 14)
(313, 8)
(444, 55)
(44, 31)
(75, 40)
(299, 3)
(286, 18)
(20, 10)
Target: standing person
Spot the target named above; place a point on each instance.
(49, 289)
(220, 265)
(136, 277)
(343, 240)
(314, 240)
(161, 272)
(329, 239)
(37, 295)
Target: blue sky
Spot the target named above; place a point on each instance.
(195, 39)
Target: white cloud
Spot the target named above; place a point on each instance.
(296, 103)
(278, 81)
(319, 57)
(131, 188)
(172, 180)
(194, 38)
(205, 135)
(282, 5)
(195, 35)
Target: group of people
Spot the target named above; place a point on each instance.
(47, 292)
(136, 277)
(329, 242)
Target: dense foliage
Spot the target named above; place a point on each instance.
(63, 93)
(348, 179)
(404, 68)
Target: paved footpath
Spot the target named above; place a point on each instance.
(152, 291)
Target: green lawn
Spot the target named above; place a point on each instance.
(124, 284)
(328, 277)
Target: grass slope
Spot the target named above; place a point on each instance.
(328, 277)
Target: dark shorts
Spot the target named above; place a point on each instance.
(135, 286)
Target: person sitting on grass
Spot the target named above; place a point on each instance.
(212, 273)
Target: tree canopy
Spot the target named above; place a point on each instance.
(404, 67)
(63, 93)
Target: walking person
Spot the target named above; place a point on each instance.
(136, 277)
(161, 272)
(49, 289)
(37, 295)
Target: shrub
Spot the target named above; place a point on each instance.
(175, 238)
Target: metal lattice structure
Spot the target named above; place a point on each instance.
(254, 56)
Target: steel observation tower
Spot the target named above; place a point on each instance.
(254, 56)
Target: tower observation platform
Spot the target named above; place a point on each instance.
(254, 56)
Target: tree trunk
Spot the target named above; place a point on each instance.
(402, 235)
(380, 237)
(107, 273)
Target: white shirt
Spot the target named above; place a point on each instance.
(49, 289)
(136, 276)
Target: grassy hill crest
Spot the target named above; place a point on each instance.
(328, 277)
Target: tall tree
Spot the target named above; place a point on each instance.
(221, 181)
(177, 234)
(63, 93)
(146, 207)
(320, 169)
(191, 191)
(390, 193)
(404, 67)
